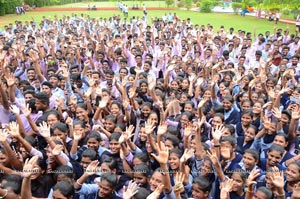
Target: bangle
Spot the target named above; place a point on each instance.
(4, 194)
(78, 183)
(217, 145)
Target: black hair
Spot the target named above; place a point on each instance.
(43, 97)
(143, 169)
(254, 153)
(229, 139)
(202, 183)
(79, 122)
(94, 134)
(143, 193)
(110, 178)
(230, 128)
(114, 136)
(61, 127)
(111, 163)
(268, 193)
(142, 157)
(242, 173)
(65, 188)
(13, 182)
(276, 147)
(175, 141)
(90, 153)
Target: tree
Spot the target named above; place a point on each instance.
(169, 2)
(188, 4)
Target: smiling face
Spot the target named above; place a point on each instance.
(238, 182)
(114, 146)
(293, 173)
(249, 161)
(274, 157)
(155, 180)
(174, 161)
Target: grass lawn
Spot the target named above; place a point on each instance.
(112, 4)
(228, 20)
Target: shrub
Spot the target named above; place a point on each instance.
(29, 2)
(285, 11)
(180, 4)
(198, 4)
(169, 2)
(188, 4)
(206, 6)
(236, 6)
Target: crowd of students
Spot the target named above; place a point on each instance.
(130, 108)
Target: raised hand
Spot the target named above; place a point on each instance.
(149, 127)
(295, 115)
(91, 82)
(14, 129)
(192, 78)
(44, 130)
(57, 149)
(188, 130)
(163, 153)
(77, 135)
(156, 193)
(218, 132)
(129, 132)
(131, 190)
(10, 79)
(122, 138)
(15, 109)
(69, 121)
(202, 102)
(267, 104)
(26, 110)
(179, 187)
(227, 185)
(267, 123)
(251, 178)
(188, 153)
(126, 104)
(103, 102)
(271, 94)
(276, 113)
(29, 167)
(3, 135)
(213, 156)
(92, 168)
(171, 67)
(162, 129)
(88, 92)
(277, 178)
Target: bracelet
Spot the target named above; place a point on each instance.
(78, 183)
(280, 195)
(4, 194)
(217, 145)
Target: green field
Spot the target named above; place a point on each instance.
(228, 20)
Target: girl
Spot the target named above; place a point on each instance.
(52, 118)
(244, 142)
(246, 120)
(231, 115)
(61, 130)
(109, 165)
